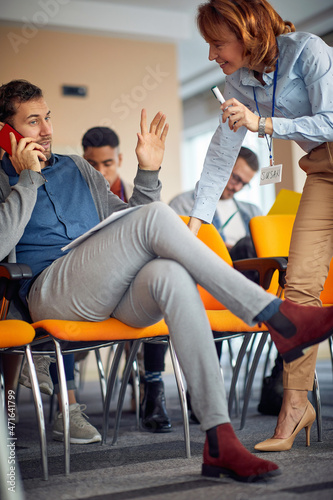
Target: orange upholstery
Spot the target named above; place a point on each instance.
(271, 234)
(14, 333)
(225, 321)
(326, 295)
(110, 329)
(211, 237)
(16, 336)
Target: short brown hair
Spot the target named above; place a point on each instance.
(254, 22)
(13, 93)
(250, 157)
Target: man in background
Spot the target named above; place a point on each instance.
(232, 217)
(101, 150)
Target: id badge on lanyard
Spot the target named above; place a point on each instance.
(272, 173)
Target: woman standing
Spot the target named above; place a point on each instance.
(278, 84)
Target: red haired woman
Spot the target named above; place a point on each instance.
(278, 84)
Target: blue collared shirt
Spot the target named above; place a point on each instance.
(63, 211)
(303, 110)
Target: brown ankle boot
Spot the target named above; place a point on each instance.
(224, 455)
(296, 327)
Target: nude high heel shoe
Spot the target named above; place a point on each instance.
(284, 444)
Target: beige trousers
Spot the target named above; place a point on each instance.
(311, 251)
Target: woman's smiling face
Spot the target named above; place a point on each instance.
(228, 52)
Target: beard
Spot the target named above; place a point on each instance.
(48, 152)
(227, 194)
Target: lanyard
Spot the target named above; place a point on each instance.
(122, 192)
(269, 143)
(228, 220)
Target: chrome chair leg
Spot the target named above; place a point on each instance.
(39, 411)
(317, 403)
(232, 361)
(123, 387)
(267, 361)
(64, 403)
(182, 397)
(136, 390)
(251, 375)
(235, 374)
(248, 360)
(101, 375)
(330, 343)
(110, 387)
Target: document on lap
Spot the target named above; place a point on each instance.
(113, 217)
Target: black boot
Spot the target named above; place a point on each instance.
(272, 390)
(154, 417)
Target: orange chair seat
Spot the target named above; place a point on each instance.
(15, 333)
(110, 329)
(113, 329)
(225, 321)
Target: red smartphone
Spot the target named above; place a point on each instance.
(5, 139)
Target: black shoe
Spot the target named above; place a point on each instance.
(271, 395)
(154, 417)
(193, 416)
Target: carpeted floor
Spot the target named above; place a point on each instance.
(153, 466)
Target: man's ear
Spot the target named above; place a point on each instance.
(120, 159)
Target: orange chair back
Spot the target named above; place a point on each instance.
(209, 235)
(271, 235)
(326, 295)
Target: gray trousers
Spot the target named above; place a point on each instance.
(141, 268)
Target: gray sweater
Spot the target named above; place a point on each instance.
(17, 202)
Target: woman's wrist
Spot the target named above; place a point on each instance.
(194, 225)
(269, 126)
(265, 126)
(261, 127)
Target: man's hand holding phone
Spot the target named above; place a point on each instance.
(25, 154)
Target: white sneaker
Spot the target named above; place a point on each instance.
(81, 432)
(42, 365)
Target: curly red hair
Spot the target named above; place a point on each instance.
(254, 22)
